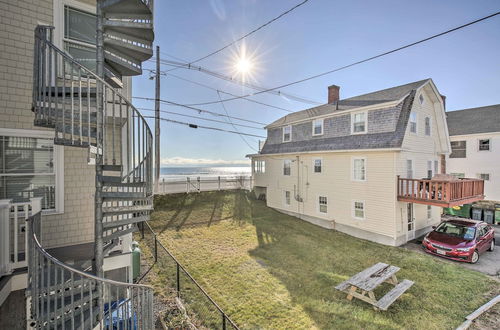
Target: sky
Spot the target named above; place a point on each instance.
(316, 37)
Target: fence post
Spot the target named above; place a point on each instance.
(223, 321)
(142, 230)
(156, 248)
(163, 184)
(199, 185)
(188, 183)
(219, 182)
(178, 281)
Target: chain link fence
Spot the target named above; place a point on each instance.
(198, 184)
(176, 280)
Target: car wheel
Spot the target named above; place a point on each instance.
(492, 245)
(475, 257)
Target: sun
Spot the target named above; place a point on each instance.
(243, 65)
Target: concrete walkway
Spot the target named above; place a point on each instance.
(489, 262)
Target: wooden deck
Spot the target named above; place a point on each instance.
(440, 192)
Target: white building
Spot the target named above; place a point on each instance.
(475, 143)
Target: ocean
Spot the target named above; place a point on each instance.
(172, 173)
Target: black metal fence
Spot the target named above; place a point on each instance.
(198, 303)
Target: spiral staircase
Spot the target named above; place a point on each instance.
(86, 111)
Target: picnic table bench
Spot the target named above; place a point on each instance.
(369, 279)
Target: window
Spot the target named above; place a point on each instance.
(409, 169)
(358, 123)
(287, 197)
(28, 170)
(317, 165)
(429, 212)
(287, 133)
(484, 145)
(413, 122)
(318, 127)
(427, 126)
(80, 36)
(421, 98)
(323, 204)
(429, 169)
(359, 169)
(436, 167)
(359, 209)
(287, 167)
(483, 176)
(260, 166)
(458, 149)
(458, 175)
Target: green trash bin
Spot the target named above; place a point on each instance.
(497, 213)
(459, 211)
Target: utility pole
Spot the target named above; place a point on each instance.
(157, 120)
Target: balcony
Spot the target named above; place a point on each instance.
(442, 191)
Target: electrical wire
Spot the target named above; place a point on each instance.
(201, 118)
(249, 33)
(364, 60)
(218, 90)
(197, 109)
(204, 127)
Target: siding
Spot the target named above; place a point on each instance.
(479, 162)
(378, 191)
(18, 20)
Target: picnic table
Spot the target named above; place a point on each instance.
(369, 279)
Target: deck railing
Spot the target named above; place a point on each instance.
(65, 297)
(440, 192)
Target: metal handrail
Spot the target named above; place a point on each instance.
(51, 280)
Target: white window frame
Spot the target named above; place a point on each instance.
(354, 209)
(314, 125)
(436, 167)
(429, 212)
(479, 145)
(319, 204)
(412, 168)
(416, 123)
(314, 165)
(421, 98)
(260, 166)
(353, 115)
(353, 176)
(289, 140)
(58, 162)
(287, 161)
(430, 126)
(285, 202)
(430, 167)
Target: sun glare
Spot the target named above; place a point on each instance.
(244, 65)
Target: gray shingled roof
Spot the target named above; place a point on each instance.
(474, 120)
(381, 96)
(364, 141)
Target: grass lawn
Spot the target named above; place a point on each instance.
(269, 270)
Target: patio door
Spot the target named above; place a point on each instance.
(410, 221)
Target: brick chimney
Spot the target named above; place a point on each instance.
(333, 93)
(444, 101)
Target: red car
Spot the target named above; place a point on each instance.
(460, 240)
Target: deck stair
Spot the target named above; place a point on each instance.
(87, 111)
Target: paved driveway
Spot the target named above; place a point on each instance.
(489, 262)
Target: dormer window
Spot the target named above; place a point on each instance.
(287, 133)
(318, 127)
(421, 98)
(413, 122)
(358, 123)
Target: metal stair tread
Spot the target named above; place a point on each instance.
(120, 233)
(129, 221)
(136, 52)
(126, 209)
(114, 196)
(136, 29)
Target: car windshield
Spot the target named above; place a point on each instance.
(457, 230)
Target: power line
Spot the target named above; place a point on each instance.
(218, 90)
(204, 127)
(250, 33)
(365, 60)
(233, 80)
(196, 117)
(197, 109)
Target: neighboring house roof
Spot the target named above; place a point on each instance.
(378, 97)
(474, 120)
(393, 139)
